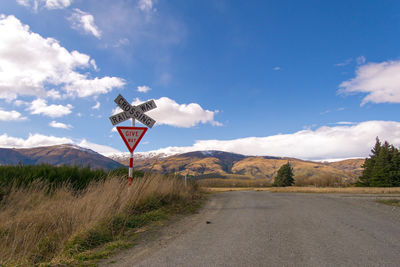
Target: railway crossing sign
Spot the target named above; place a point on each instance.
(133, 112)
(131, 136)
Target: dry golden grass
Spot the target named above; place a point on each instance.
(220, 182)
(324, 180)
(35, 226)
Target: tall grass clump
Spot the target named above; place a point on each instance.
(54, 176)
(60, 226)
(323, 180)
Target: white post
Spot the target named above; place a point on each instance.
(131, 161)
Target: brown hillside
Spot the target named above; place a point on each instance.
(219, 164)
(67, 155)
(352, 165)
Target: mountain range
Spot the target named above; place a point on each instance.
(219, 164)
(57, 155)
(201, 164)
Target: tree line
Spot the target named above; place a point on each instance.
(382, 168)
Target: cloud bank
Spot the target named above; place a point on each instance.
(335, 142)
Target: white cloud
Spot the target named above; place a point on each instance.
(145, 5)
(180, 115)
(97, 106)
(19, 103)
(84, 21)
(361, 60)
(11, 116)
(82, 87)
(345, 123)
(380, 81)
(49, 4)
(58, 4)
(277, 68)
(39, 106)
(35, 66)
(121, 42)
(33, 140)
(60, 125)
(143, 89)
(36, 140)
(323, 143)
(53, 94)
(102, 149)
(344, 63)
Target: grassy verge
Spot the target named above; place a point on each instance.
(79, 227)
(390, 202)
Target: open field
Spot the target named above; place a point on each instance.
(304, 180)
(73, 227)
(297, 189)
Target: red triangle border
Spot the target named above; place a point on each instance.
(131, 128)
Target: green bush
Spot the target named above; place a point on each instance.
(285, 176)
(54, 176)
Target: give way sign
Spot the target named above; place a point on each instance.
(131, 136)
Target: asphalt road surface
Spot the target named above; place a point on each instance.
(276, 229)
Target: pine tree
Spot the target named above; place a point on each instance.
(382, 168)
(369, 164)
(395, 167)
(285, 176)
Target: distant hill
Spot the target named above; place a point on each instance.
(218, 164)
(201, 164)
(57, 155)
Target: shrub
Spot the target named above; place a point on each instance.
(285, 176)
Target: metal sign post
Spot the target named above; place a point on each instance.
(130, 170)
(132, 135)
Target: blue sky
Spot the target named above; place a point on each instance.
(308, 79)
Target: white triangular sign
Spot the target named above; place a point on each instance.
(131, 136)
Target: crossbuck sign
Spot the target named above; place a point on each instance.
(132, 135)
(133, 112)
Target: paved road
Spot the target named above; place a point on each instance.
(278, 229)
